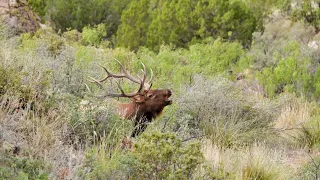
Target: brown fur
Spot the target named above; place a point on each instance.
(144, 107)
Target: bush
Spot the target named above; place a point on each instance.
(254, 170)
(255, 161)
(54, 43)
(92, 120)
(309, 133)
(308, 12)
(289, 73)
(155, 155)
(21, 168)
(72, 35)
(164, 156)
(311, 170)
(217, 110)
(93, 35)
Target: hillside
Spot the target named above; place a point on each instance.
(244, 77)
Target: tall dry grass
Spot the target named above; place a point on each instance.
(258, 161)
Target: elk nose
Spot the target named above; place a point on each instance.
(169, 92)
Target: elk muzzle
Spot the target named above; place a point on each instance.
(168, 101)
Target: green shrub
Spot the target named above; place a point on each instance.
(173, 67)
(72, 35)
(93, 35)
(55, 43)
(311, 170)
(155, 156)
(184, 22)
(218, 110)
(289, 73)
(306, 11)
(256, 171)
(309, 134)
(92, 119)
(9, 80)
(21, 168)
(164, 156)
(17, 93)
(5, 31)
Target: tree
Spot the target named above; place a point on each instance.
(308, 11)
(76, 14)
(232, 20)
(38, 6)
(172, 23)
(152, 23)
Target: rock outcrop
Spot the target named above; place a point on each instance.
(19, 16)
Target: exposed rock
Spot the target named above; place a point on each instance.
(313, 45)
(246, 82)
(19, 16)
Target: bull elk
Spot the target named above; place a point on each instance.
(145, 105)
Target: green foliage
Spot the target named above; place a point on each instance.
(93, 35)
(217, 110)
(183, 21)
(72, 35)
(215, 57)
(38, 6)
(9, 80)
(135, 21)
(21, 168)
(179, 66)
(17, 93)
(5, 31)
(171, 23)
(54, 42)
(104, 162)
(289, 74)
(308, 12)
(164, 156)
(262, 8)
(77, 14)
(309, 134)
(311, 170)
(91, 121)
(231, 20)
(316, 83)
(255, 171)
(155, 155)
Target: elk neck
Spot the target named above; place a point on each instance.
(131, 110)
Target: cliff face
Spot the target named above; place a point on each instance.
(17, 15)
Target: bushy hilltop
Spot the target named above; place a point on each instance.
(244, 76)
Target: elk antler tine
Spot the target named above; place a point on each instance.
(105, 69)
(121, 66)
(151, 78)
(144, 69)
(87, 87)
(144, 72)
(141, 84)
(96, 81)
(125, 74)
(122, 91)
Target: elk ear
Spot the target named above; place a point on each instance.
(138, 99)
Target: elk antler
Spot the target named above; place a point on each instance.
(125, 74)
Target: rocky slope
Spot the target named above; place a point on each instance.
(17, 15)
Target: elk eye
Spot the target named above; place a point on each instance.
(150, 95)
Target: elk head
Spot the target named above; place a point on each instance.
(146, 104)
